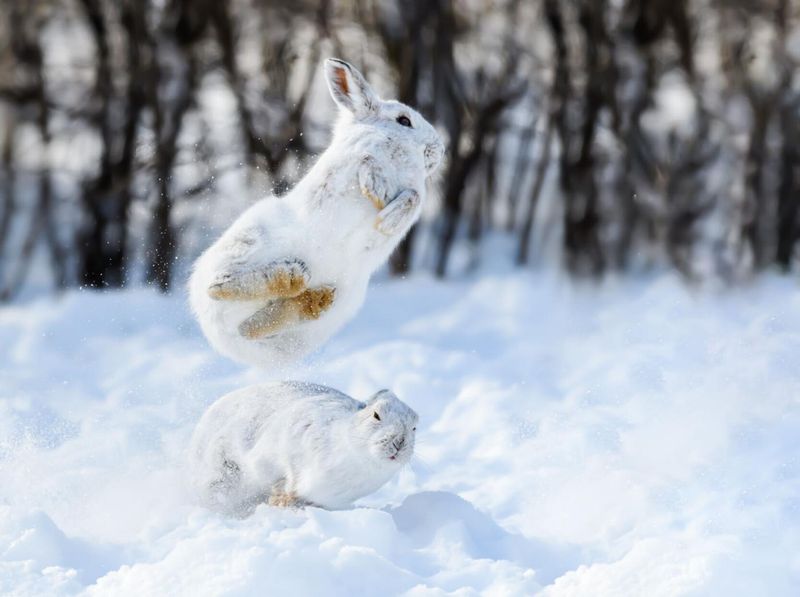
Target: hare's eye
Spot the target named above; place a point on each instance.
(404, 121)
(413, 429)
(375, 414)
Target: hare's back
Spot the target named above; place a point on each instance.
(265, 400)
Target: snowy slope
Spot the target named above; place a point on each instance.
(638, 439)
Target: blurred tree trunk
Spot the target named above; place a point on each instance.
(171, 85)
(26, 45)
(521, 167)
(462, 164)
(581, 217)
(788, 217)
(8, 205)
(103, 239)
(788, 210)
(523, 247)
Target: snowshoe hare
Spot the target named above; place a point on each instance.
(294, 444)
(293, 270)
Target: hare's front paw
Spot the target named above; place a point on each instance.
(399, 213)
(372, 183)
(279, 279)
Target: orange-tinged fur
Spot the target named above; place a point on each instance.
(281, 313)
(284, 500)
(280, 283)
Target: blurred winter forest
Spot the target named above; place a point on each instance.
(601, 135)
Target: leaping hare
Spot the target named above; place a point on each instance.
(291, 271)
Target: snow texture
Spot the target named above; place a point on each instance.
(634, 439)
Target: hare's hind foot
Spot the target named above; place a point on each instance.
(288, 278)
(285, 500)
(268, 320)
(315, 301)
(279, 314)
(280, 279)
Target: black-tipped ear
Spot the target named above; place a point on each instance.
(348, 87)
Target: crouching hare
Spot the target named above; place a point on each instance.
(293, 270)
(295, 444)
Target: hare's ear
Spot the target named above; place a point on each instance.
(348, 87)
(379, 394)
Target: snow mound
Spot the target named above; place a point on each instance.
(636, 438)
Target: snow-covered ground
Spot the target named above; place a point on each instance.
(637, 439)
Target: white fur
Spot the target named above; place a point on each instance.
(309, 441)
(325, 221)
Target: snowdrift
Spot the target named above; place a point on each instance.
(636, 439)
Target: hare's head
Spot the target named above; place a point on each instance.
(352, 92)
(387, 427)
